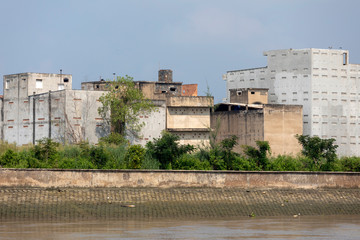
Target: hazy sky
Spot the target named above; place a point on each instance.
(198, 39)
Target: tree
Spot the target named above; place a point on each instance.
(227, 146)
(322, 152)
(259, 155)
(122, 105)
(167, 149)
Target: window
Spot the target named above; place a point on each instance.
(66, 80)
(252, 92)
(61, 86)
(7, 84)
(344, 58)
(239, 93)
(39, 83)
(173, 89)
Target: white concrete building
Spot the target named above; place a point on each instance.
(42, 105)
(322, 80)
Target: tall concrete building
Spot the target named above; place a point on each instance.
(43, 105)
(322, 80)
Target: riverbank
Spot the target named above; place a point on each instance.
(180, 203)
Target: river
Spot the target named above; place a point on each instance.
(300, 227)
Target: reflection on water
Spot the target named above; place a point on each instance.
(303, 227)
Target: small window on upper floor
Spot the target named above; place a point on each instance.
(239, 93)
(173, 89)
(39, 83)
(252, 92)
(66, 80)
(7, 84)
(344, 58)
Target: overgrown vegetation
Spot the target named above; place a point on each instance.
(166, 153)
(121, 106)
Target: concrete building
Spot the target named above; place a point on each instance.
(38, 105)
(276, 123)
(179, 110)
(322, 80)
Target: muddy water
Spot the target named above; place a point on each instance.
(303, 227)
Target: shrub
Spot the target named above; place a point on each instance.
(285, 163)
(116, 155)
(150, 162)
(45, 151)
(322, 152)
(9, 159)
(190, 162)
(98, 156)
(241, 163)
(259, 154)
(113, 138)
(166, 149)
(349, 164)
(135, 156)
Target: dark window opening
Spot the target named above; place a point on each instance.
(344, 58)
(252, 92)
(163, 91)
(97, 86)
(66, 80)
(239, 93)
(173, 89)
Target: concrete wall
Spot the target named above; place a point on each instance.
(249, 96)
(164, 179)
(189, 90)
(248, 126)
(281, 124)
(154, 124)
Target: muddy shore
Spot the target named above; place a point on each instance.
(182, 203)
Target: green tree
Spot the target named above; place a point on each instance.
(167, 149)
(259, 154)
(46, 152)
(227, 146)
(322, 152)
(121, 106)
(135, 156)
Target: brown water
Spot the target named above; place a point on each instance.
(303, 227)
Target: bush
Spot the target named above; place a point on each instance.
(259, 154)
(116, 155)
(241, 163)
(114, 138)
(75, 163)
(349, 164)
(285, 163)
(166, 149)
(190, 162)
(98, 156)
(135, 156)
(45, 151)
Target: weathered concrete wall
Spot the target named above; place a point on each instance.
(281, 124)
(164, 179)
(154, 124)
(248, 126)
(189, 90)
(185, 101)
(249, 95)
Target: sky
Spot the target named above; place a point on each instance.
(200, 40)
